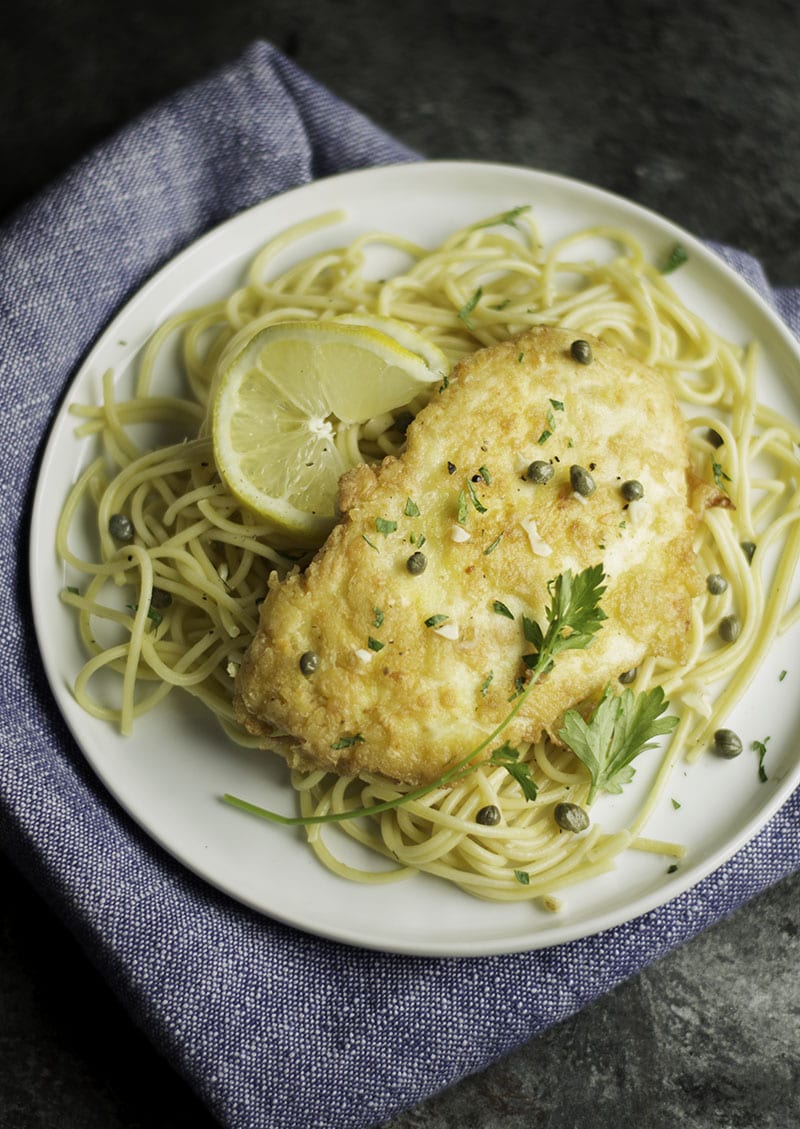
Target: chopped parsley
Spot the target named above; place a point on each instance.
(676, 258)
(348, 742)
(522, 877)
(152, 613)
(720, 477)
(760, 747)
(462, 507)
(491, 548)
(436, 620)
(500, 608)
(411, 508)
(519, 687)
(383, 525)
(477, 503)
(378, 620)
(375, 644)
(468, 308)
(508, 218)
(487, 683)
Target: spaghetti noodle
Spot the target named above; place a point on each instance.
(176, 604)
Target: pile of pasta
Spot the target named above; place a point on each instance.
(176, 604)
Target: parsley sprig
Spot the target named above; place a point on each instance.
(621, 727)
(573, 617)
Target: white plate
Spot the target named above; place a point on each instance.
(170, 774)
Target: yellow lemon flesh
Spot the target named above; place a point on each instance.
(285, 396)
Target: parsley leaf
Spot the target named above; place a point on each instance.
(411, 509)
(621, 727)
(508, 757)
(573, 618)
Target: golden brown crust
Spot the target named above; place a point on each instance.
(396, 697)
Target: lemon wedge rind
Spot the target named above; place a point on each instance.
(282, 403)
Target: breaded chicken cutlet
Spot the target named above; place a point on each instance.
(400, 647)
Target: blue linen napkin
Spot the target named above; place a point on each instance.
(272, 1027)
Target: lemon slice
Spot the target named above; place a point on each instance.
(281, 401)
(404, 335)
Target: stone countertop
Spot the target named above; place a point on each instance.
(693, 113)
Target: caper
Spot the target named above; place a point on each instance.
(729, 628)
(309, 661)
(417, 563)
(120, 527)
(632, 490)
(540, 472)
(716, 583)
(160, 599)
(748, 548)
(727, 743)
(581, 481)
(571, 817)
(581, 352)
(488, 816)
(629, 676)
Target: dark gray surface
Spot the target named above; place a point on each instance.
(689, 109)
